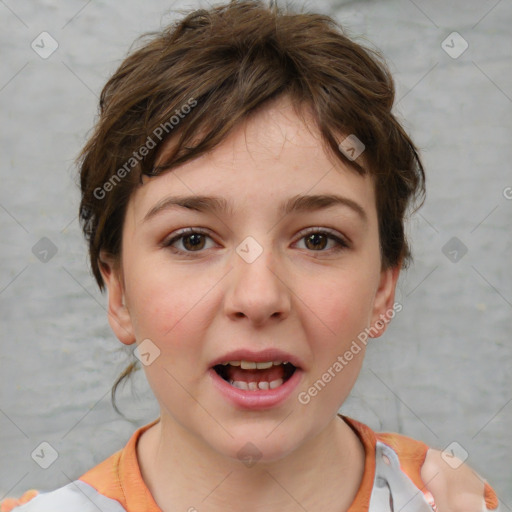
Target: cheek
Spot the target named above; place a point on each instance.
(155, 303)
(341, 306)
(171, 311)
(170, 308)
(336, 314)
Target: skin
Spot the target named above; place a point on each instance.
(306, 299)
(455, 489)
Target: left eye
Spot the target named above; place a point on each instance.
(193, 240)
(320, 238)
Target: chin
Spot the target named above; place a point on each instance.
(251, 448)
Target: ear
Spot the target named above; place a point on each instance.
(118, 315)
(384, 308)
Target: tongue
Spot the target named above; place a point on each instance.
(269, 374)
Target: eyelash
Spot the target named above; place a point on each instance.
(342, 244)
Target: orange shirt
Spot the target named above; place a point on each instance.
(116, 484)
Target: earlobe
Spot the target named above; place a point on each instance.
(384, 307)
(118, 315)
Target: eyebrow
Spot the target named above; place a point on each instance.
(219, 205)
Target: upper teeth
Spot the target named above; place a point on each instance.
(252, 365)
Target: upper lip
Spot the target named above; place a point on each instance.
(269, 354)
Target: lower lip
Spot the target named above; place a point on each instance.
(257, 399)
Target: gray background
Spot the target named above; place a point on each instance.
(442, 371)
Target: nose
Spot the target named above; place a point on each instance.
(258, 290)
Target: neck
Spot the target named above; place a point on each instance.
(183, 473)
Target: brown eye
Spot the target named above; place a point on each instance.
(318, 241)
(196, 241)
(187, 241)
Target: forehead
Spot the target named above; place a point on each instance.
(272, 156)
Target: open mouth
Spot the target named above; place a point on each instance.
(252, 376)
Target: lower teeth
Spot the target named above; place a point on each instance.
(253, 386)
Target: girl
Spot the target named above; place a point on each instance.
(243, 197)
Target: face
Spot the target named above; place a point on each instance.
(273, 277)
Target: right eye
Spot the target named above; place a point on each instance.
(191, 239)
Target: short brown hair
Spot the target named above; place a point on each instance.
(229, 61)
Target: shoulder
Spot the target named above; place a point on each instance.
(445, 480)
(77, 496)
(86, 494)
(108, 487)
